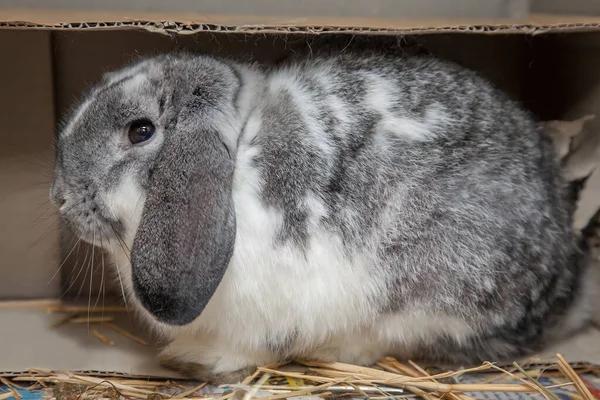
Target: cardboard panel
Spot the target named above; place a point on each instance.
(73, 347)
(192, 22)
(372, 8)
(28, 228)
(565, 80)
(564, 74)
(579, 7)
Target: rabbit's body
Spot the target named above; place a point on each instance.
(378, 206)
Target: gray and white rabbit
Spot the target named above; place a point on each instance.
(343, 208)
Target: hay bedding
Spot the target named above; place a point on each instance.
(389, 379)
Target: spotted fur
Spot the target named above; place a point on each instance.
(338, 208)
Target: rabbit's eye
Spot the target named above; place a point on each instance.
(140, 131)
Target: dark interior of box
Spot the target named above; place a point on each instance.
(554, 75)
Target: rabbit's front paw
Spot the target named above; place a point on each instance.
(203, 372)
(210, 361)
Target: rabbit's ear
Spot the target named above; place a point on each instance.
(187, 231)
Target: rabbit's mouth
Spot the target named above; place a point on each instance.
(97, 234)
(83, 211)
(91, 225)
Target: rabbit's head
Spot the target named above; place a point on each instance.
(146, 161)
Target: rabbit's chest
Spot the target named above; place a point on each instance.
(276, 281)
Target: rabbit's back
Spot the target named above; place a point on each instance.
(440, 185)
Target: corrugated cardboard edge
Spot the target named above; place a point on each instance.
(181, 28)
(99, 374)
(191, 23)
(546, 366)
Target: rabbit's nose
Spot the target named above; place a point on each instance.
(57, 200)
(56, 197)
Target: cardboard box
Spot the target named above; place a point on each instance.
(337, 8)
(550, 63)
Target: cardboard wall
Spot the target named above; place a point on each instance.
(564, 82)
(337, 8)
(578, 7)
(28, 233)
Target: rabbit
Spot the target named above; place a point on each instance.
(337, 208)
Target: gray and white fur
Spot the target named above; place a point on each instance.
(336, 208)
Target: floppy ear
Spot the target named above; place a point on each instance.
(186, 235)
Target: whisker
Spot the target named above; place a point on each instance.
(120, 279)
(124, 248)
(138, 202)
(51, 226)
(71, 191)
(120, 239)
(43, 203)
(102, 285)
(44, 217)
(49, 205)
(123, 294)
(87, 269)
(91, 282)
(55, 215)
(165, 338)
(73, 280)
(64, 261)
(44, 183)
(43, 167)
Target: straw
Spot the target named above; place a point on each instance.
(62, 308)
(189, 392)
(102, 338)
(91, 320)
(455, 396)
(125, 333)
(64, 320)
(328, 380)
(7, 395)
(566, 369)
